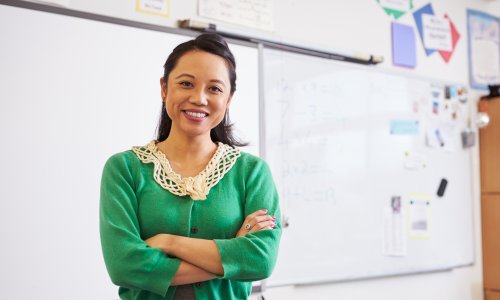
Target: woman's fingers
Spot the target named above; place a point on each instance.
(249, 220)
(260, 223)
(261, 219)
(263, 226)
(258, 220)
(260, 212)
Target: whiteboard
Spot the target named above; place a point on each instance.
(337, 167)
(73, 92)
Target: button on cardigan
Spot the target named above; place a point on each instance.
(134, 207)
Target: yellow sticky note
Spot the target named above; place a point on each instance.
(154, 7)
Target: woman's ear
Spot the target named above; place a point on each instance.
(163, 87)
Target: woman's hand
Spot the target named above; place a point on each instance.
(200, 259)
(257, 221)
(201, 253)
(160, 241)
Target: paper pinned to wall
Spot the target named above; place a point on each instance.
(436, 32)
(155, 7)
(257, 14)
(419, 216)
(415, 161)
(404, 51)
(397, 8)
(394, 220)
(417, 15)
(455, 36)
(484, 49)
(403, 127)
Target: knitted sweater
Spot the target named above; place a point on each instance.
(134, 207)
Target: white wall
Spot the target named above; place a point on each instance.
(360, 26)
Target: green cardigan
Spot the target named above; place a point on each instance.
(134, 207)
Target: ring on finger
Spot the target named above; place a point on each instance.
(248, 226)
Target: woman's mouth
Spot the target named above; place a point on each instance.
(195, 115)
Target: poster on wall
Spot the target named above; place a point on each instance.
(154, 7)
(404, 52)
(258, 14)
(437, 33)
(484, 49)
(396, 8)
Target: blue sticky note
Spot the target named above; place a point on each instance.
(453, 91)
(417, 15)
(404, 51)
(404, 127)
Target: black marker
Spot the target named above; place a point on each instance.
(442, 187)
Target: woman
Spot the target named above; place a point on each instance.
(189, 216)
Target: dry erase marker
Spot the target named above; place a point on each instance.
(442, 187)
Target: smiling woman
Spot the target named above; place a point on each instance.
(189, 216)
(197, 96)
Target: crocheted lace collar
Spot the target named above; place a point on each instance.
(196, 187)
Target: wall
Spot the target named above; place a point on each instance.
(360, 26)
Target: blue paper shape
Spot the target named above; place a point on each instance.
(404, 127)
(417, 15)
(404, 51)
(453, 91)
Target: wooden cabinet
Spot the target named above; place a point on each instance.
(490, 215)
(489, 295)
(490, 200)
(489, 150)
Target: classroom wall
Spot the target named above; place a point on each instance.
(358, 26)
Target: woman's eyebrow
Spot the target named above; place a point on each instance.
(184, 74)
(218, 81)
(191, 76)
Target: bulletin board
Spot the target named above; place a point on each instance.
(358, 156)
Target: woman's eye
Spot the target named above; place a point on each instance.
(185, 83)
(216, 89)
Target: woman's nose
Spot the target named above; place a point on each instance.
(198, 97)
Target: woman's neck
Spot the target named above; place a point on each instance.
(188, 156)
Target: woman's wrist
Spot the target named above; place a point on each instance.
(169, 244)
(162, 241)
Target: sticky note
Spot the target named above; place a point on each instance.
(404, 51)
(404, 127)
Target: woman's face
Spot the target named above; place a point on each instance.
(197, 93)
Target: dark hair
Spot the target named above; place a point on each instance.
(214, 44)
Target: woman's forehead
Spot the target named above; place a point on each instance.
(202, 63)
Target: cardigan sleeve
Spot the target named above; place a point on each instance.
(130, 262)
(253, 256)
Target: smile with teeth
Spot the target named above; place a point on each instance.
(196, 114)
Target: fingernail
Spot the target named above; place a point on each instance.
(273, 225)
(274, 218)
(264, 210)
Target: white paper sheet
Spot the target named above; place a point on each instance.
(395, 239)
(419, 216)
(437, 33)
